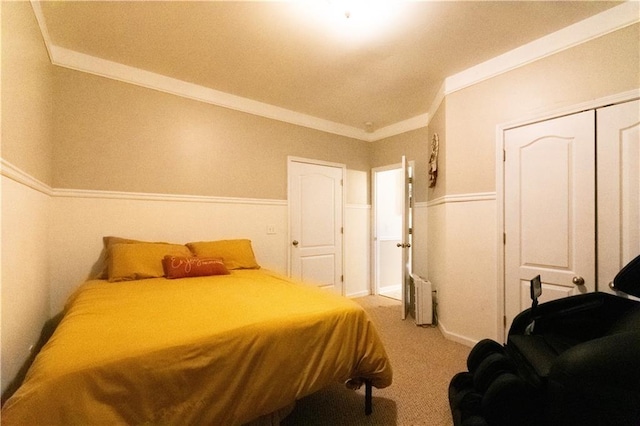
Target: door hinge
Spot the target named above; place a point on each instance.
(504, 321)
(410, 231)
(504, 155)
(504, 238)
(410, 180)
(341, 278)
(342, 229)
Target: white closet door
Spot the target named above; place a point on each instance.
(549, 210)
(618, 189)
(315, 224)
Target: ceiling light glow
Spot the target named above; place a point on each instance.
(353, 20)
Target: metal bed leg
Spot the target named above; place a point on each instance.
(367, 397)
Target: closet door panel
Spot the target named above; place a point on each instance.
(549, 209)
(618, 160)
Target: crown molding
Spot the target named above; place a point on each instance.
(93, 65)
(598, 25)
(606, 22)
(414, 123)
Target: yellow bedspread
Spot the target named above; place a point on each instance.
(219, 350)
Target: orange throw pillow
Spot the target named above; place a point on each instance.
(183, 267)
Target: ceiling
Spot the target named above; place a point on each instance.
(308, 56)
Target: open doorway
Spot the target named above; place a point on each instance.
(390, 244)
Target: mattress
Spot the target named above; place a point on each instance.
(207, 350)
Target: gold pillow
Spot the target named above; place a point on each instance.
(236, 254)
(100, 270)
(135, 261)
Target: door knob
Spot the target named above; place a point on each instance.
(578, 280)
(295, 243)
(399, 245)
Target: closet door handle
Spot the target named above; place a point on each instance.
(578, 280)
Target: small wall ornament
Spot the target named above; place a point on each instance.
(433, 160)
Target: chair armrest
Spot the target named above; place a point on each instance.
(583, 317)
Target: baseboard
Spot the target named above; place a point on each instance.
(456, 337)
(362, 293)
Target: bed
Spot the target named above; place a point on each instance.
(229, 347)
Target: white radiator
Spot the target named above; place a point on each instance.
(424, 300)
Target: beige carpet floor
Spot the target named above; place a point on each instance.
(423, 363)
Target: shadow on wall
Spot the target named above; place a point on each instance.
(46, 333)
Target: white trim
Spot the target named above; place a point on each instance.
(588, 29)
(374, 280)
(500, 130)
(357, 294)
(598, 25)
(462, 198)
(116, 71)
(343, 168)
(404, 126)
(142, 196)
(458, 338)
(358, 206)
(420, 205)
(42, 23)
(291, 158)
(627, 96)
(437, 100)
(12, 172)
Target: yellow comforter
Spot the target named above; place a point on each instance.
(219, 350)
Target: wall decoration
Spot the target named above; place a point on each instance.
(433, 160)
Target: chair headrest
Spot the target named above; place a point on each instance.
(628, 279)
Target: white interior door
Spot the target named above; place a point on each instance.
(618, 189)
(549, 205)
(388, 202)
(405, 245)
(315, 224)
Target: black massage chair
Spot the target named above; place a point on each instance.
(573, 361)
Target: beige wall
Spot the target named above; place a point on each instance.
(438, 125)
(115, 136)
(27, 106)
(601, 67)
(108, 135)
(463, 234)
(26, 143)
(413, 145)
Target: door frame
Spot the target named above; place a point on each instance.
(374, 255)
(343, 168)
(500, 193)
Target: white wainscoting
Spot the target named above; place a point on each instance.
(462, 265)
(25, 272)
(79, 221)
(420, 240)
(357, 252)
